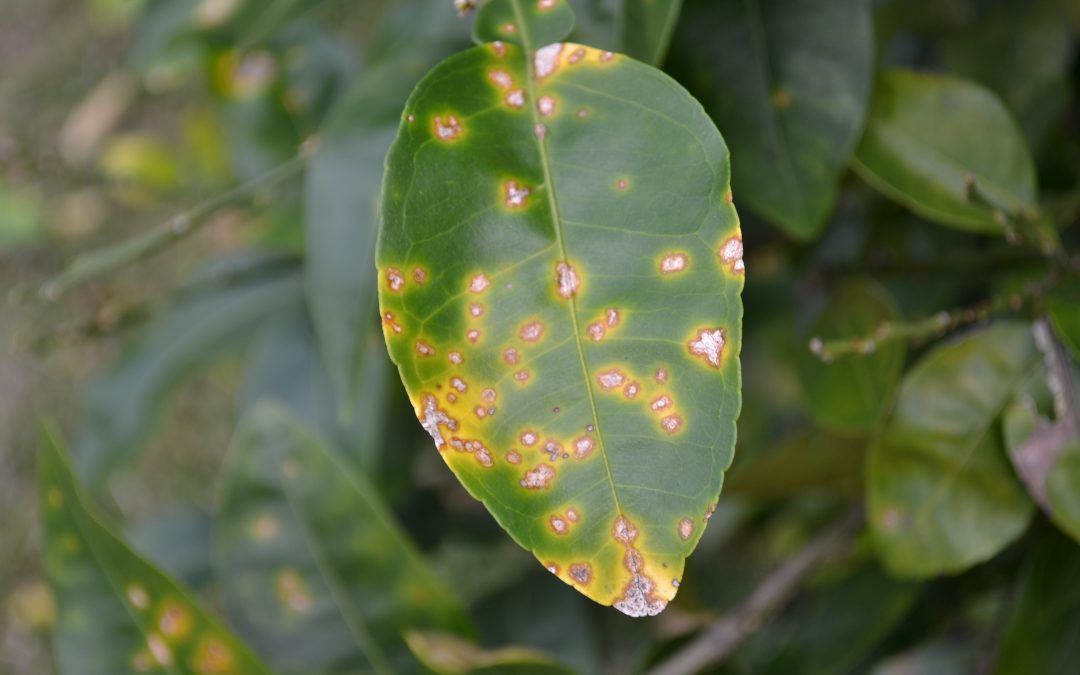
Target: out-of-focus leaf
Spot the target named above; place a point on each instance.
(1063, 490)
(450, 655)
(560, 275)
(1043, 633)
(504, 564)
(177, 541)
(942, 495)
(141, 161)
(315, 571)
(788, 82)
(949, 150)
(646, 28)
(835, 627)
(815, 460)
(120, 406)
(1063, 306)
(938, 658)
(521, 22)
(848, 394)
(341, 193)
(161, 25)
(271, 17)
(1032, 47)
(20, 217)
(117, 612)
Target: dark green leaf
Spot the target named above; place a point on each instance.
(1063, 306)
(341, 193)
(1063, 490)
(788, 82)
(1043, 634)
(528, 23)
(120, 406)
(314, 569)
(450, 655)
(117, 612)
(949, 150)
(937, 658)
(942, 494)
(849, 393)
(646, 27)
(560, 274)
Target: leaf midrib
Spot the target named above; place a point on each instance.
(553, 206)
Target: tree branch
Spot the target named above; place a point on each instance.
(718, 642)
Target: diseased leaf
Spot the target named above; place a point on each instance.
(849, 393)
(646, 27)
(788, 82)
(342, 186)
(450, 655)
(942, 495)
(117, 612)
(524, 22)
(314, 570)
(559, 277)
(1043, 633)
(949, 150)
(120, 406)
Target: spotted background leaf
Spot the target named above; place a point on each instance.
(117, 612)
(315, 571)
(942, 494)
(560, 268)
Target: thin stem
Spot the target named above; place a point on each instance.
(718, 642)
(100, 261)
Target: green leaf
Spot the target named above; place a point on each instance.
(808, 461)
(1043, 633)
(315, 571)
(529, 23)
(1063, 306)
(450, 655)
(788, 82)
(1063, 490)
(942, 494)
(849, 394)
(117, 612)
(949, 150)
(646, 27)
(341, 192)
(120, 406)
(560, 270)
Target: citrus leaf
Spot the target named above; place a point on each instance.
(1063, 490)
(450, 655)
(646, 28)
(119, 613)
(1043, 633)
(559, 277)
(1063, 307)
(314, 569)
(942, 494)
(341, 191)
(949, 150)
(848, 394)
(524, 22)
(789, 84)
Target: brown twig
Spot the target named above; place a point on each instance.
(718, 642)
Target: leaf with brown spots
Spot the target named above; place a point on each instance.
(309, 555)
(582, 263)
(117, 612)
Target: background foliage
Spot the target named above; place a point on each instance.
(908, 177)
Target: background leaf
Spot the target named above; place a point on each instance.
(942, 495)
(578, 372)
(788, 83)
(450, 655)
(646, 27)
(947, 149)
(314, 569)
(1063, 490)
(849, 394)
(118, 613)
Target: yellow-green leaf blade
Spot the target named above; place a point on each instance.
(560, 270)
(119, 613)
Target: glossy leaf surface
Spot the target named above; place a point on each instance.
(450, 655)
(560, 270)
(947, 149)
(788, 82)
(315, 571)
(942, 494)
(117, 612)
(849, 393)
